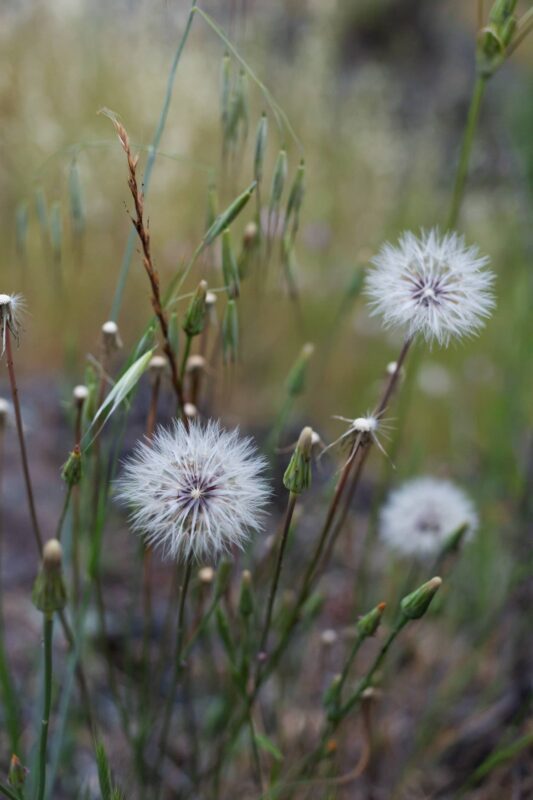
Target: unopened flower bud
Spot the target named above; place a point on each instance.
(297, 477)
(111, 341)
(17, 773)
(368, 625)
(246, 599)
(49, 593)
(71, 471)
(195, 317)
(417, 603)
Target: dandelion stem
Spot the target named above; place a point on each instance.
(178, 666)
(22, 443)
(275, 579)
(48, 632)
(466, 149)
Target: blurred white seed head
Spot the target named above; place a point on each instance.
(157, 365)
(366, 427)
(210, 299)
(195, 493)
(206, 575)
(196, 363)
(11, 307)
(420, 516)
(5, 412)
(432, 285)
(80, 394)
(328, 637)
(190, 410)
(111, 340)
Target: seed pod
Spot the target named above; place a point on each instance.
(194, 321)
(297, 477)
(230, 333)
(278, 181)
(49, 594)
(260, 147)
(296, 197)
(417, 603)
(229, 266)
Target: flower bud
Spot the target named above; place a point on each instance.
(416, 604)
(246, 599)
(297, 477)
(17, 773)
(368, 625)
(71, 471)
(195, 317)
(49, 593)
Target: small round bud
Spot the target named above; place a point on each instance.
(111, 341)
(52, 555)
(328, 637)
(297, 477)
(417, 603)
(71, 471)
(195, 317)
(206, 575)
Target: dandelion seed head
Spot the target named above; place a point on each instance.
(195, 493)
(433, 285)
(366, 424)
(420, 516)
(11, 306)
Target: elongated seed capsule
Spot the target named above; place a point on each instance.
(194, 321)
(230, 333)
(278, 180)
(296, 196)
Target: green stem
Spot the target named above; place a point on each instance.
(186, 354)
(466, 149)
(178, 665)
(48, 631)
(349, 661)
(63, 516)
(6, 791)
(277, 572)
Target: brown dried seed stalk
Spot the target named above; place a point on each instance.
(144, 238)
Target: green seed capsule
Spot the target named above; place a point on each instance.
(194, 321)
(229, 266)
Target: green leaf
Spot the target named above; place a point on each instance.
(268, 746)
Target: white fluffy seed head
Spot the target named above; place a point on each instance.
(420, 516)
(432, 285)
(11, 306)
(366, 424)
(80, 394)
(195, 493)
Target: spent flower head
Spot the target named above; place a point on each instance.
(419, 518)
(197, 492)
(433, 285)
(11, 306)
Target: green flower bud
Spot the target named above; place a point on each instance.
(194, 321)
(416, 604)
(17, 773)
(72, 471)
(297, 477)
(49, 593)
(368, 625)
(246, 600)
(331, 695)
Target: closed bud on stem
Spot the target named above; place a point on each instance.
(455, 540)
(297, 375)
(111, 341)
(190, 410)
(297, 477)
(229, 214)
(17, 773)
(495, 38)
(229, 266)
(195, 317)
(246, 599)
(223, 577)
(368, 625)
(415, 605)
(49, 594)
(71, 471)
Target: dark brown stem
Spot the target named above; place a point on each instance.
(22, 443)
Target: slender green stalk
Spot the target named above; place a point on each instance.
(186, 353)
(22, 442)
(277, 573)
(64, 512)
(466, 149)
(48, 632)
(130, 246)
(7, 792)
(349, 661)
(178, 666)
